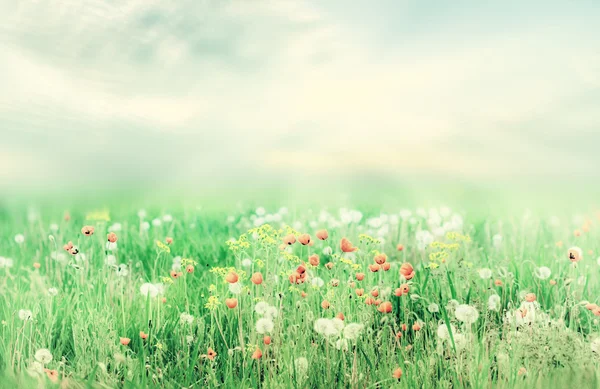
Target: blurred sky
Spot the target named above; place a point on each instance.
(200, 91)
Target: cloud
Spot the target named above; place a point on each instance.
(206, 89)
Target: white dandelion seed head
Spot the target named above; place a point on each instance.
(317, 282)
(264, 325)
(261, 307)
(186, 318)
(52, 292)
(43, 356)
(25, 314)
(466, 313)
(156, 222)
(246, 262)
(235, 288)
(148, 289)
(167, 218)
(542, 272)
(433, 308)
(353, 330)
(20, 238)
(443, 333)
(494, 302)
(485, 273)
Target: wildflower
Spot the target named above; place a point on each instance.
(37, 265)
(68, 246)
(498, 282)
(494, 302)
(112, 237)
(231, 277)
(304, 239)
(261, 308)
(522, 371)
(575, 254)
(317, 282)
(87, 230)
(211, 354)
(52, 374)
(542, 272)
(235, 288)
(380, 259)
(257, 354)
(385, 307)
(374, 268)
(386, 266)
(52, 292)
(360, 276)
(257, 278)
(416, 326)
(168, 240)
(231, 303)
(375, 293)
(552, 282)
(443, 332)
(433, 308)
(149, 289)
(289, 239)
(325, 304)
(407, 271)
(322, 234)
(327, 251)
(314, 260)
(25, 314)
(43, 355)
(497, 240)
(466, 313)
(301, 366)
(359, 292)
(346, 246)
(595, 345)
(175, 275)
(186, 318)
(400, 247)
(189, 269)
(264, 325)
(122, 270)
(485, 273)
(124, 341)
(143, 335)
(19, 238)
(397, 374)
(329, 265)
(156, 222)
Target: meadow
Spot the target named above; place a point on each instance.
(269, 296)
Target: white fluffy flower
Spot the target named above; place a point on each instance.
(271, 312)
(111, 246)
(328, 327)
(352, 331)
(235, 288)
(141, 213)
(149, 289)
(5, 262)
(261, 307)
(466, 313)
(167, 218)
(247, 262)
(19, 238)
(542, 272)
(156, 222)
(595, 345)
(115, 227)
(52, 291)
(110, 260)
(35, 369)
(301, 366)
(328, 251)
(122, 270)
(145, 226)
(443, 333)
(25, 314)
(497, 240)
(485, 273)
(264, 325)
(186, 318)
(424, 238)
(43, 355)
(317, 282)
(433, 308)
(260, 211)
(342, 344)
(494, 302)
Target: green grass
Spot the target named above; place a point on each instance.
(94, 306)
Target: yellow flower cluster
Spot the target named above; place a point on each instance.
(166, 280)
(368, 239)
(188, 261)
(212, 303)
(163, 247)
(290, 257)
(259, 263)
(445, 246)
(98, 216)
(457, 236)
(266, 234)
(239, 244)
(223, 271)
(354, 266)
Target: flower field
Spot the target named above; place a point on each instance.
(271, 297)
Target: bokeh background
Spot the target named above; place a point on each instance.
(300, 97)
